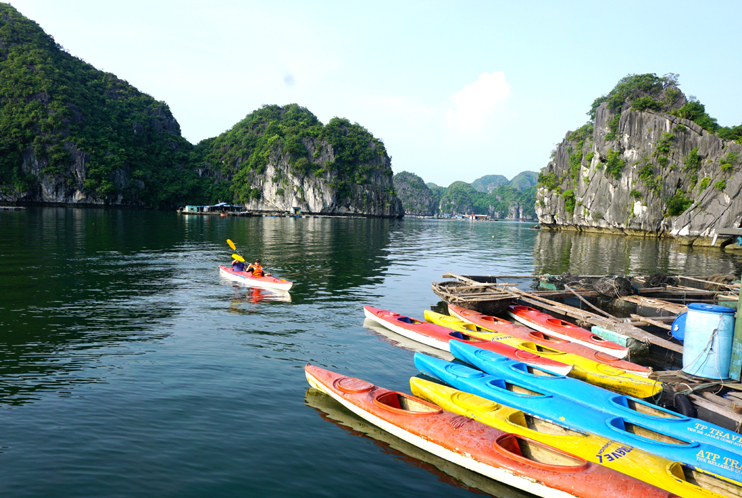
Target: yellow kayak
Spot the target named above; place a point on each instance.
(658, 471)
(585, 369)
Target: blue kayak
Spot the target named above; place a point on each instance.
(655, 434)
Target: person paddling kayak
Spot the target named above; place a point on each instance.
(256, 269)
(238, 265)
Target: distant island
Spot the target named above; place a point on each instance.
(492, 195)
(72, 134)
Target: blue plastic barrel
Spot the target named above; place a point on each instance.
(707, 346)
(678, 327)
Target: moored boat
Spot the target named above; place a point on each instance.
(545, 340)
(591, 409)
(543, 322)
(245, 278)
(661, 472)
(584, 369)
(514, 460)
(438, 337)
(444, 471)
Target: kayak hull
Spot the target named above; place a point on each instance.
(656, 470)
(250, 281)
(476, 446)
(545, 339)
(438, 337)
(581, 406)
(585, 369)
(543, 322)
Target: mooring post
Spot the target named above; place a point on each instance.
(736, 365)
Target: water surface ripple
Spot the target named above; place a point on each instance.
(130, 368)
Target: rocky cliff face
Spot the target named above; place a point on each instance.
(281, 188)
(643, 172)
(416, 197)
(279, 158)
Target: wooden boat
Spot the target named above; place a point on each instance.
(629, 421)
(661, 472)
(439, 337)
(488, 298)
(520, 462)
(587, 370)
(544, 340)
(247, 279)
(543, 322)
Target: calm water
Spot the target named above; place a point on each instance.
(128, 367)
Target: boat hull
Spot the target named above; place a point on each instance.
(439, 337)
(631, 461)
(544, 339)
(247, 279)
(591, 409)
(584, 369)
(543, 322)
(474, 445)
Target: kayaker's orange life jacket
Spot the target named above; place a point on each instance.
(257, 271)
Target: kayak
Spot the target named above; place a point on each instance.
(543, 322)
(584, 369)
(514, 460)
(439, 337)
(444, 471)
(659, 471)
(544, 340)
(587, 408)
(247, 279)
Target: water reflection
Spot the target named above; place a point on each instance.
(602, 254)
(327, 258)
(76, 282)
(445, 471)
(403, 342)
(243, 296)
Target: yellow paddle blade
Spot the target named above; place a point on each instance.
(238, 258)
(231, 244)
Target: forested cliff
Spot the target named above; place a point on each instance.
(651, 162)
(72, 134)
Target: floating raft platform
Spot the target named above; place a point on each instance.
(643, 327)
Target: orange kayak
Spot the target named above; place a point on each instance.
(515, 460)
(544, 340)
(544, 322)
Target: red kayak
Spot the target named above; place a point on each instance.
(248, 279)
(543, 322)
(515, 460)
(544, 340)
(438, 337)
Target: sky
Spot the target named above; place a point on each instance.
(455, 90)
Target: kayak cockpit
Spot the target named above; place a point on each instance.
(400, 402)
(621, 425)
(540, 350)
(465, 337)
(538, 424)
(538, 454)
(706, 481)
(643, 408)
(502, 385)
(546, 337)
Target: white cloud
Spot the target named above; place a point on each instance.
(477, 103)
